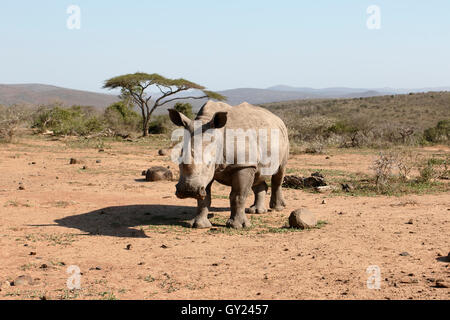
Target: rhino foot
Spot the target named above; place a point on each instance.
(238, 223)
(200, 223)
(277, 205)
(254, 209)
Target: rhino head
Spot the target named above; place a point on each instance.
(196, 175)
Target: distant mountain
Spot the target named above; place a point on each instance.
(44, 94)
(36, 94)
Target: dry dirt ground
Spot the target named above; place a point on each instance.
(129, 239)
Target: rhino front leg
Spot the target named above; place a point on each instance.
(276, 198)
(242, 181)
(203, 205)
(260, 191)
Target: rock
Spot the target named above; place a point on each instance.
(158, 173)
(101, 150)
(440, 283)
(74, 161)
(22, 280)
(303, 219)
(293, 182)
(314, 182)
(21, 187)
(410, 221)
(84, 168)
(162, 152)
(128, 247)
(98, 161)
(404, 254)
(32, 253)
(324, 202)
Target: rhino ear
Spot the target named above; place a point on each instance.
(179, 119)
(219, 120)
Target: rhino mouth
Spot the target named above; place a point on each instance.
(197, 193)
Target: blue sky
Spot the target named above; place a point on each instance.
(228, 44)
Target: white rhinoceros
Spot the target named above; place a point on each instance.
(241, 170)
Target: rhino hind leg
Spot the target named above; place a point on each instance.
(260, 191)
(203, 206)
(276, 198)
(242, 181)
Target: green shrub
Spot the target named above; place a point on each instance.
(121, 118)
(184, 108)
(439, 133)
(76, 120)
(160, 124)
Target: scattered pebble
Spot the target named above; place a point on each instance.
(404, 254)
(128, 247)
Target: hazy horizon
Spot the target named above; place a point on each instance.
(256, 44)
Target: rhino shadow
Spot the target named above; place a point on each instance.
(120, 221)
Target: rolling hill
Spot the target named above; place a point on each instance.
(37, 94)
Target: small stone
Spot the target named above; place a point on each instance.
(158, 173)
(128, 247)
(410, 221)
(21, 187)
(74, 161)
(162, 152)
(43, 266)
(84, 168)
(32, 253)
(164, 246)
(440, 283)
(98, 161)
(101, 150)
(302, 218)
(324, 202)
(404, 254)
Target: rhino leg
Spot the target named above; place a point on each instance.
(276, 198)
(260, 191)
(242, 181)
(203, 205)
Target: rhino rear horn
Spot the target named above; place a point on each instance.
(179, 119)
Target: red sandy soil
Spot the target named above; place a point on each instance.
(69, 216)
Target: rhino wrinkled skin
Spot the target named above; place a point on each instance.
(196, 179)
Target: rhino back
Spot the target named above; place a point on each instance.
(246, 116)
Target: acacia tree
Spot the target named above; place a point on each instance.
(134, 87)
